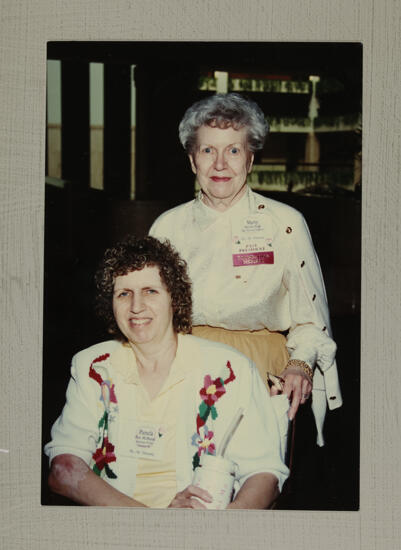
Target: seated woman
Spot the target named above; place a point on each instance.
(143, 408)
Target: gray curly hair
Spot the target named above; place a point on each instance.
(224, 111)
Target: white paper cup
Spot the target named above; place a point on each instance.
(216, 475)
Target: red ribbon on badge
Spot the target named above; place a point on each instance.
(253, 258)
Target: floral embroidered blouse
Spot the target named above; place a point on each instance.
(100, 413)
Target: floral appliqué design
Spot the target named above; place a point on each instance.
(211, 392)
(104, 454)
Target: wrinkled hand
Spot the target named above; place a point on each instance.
(298, 388)
(184, 499)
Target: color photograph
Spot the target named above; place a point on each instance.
(247, 157)
(261, 345)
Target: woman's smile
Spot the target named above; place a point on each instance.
(220, 178)
(140, 322)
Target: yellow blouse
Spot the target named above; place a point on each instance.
(156, 479)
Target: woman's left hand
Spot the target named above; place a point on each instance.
(185, 498)
(298, 388)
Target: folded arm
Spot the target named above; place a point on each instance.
(71, 477)
(258, 493)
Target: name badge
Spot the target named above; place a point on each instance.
(148, 441)
(252, 241)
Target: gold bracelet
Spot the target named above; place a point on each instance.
(298, 364)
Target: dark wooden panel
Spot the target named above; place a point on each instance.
(75, 158)
(163, 95)
(117, 130)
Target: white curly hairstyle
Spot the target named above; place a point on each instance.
(224, 111)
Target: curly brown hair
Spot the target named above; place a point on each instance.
(133, 254)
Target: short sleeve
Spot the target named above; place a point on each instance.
(258, 444)
(75, 431)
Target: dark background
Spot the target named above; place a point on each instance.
(81, 222)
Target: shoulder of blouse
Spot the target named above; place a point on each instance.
(215, 355)
(281, 211)
(95, 355)
(166, 216)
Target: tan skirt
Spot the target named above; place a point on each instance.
(266, 349)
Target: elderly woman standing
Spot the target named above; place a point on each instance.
(257, 283)
(144, 409)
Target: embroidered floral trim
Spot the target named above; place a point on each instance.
(102, 457)
(204, 442)
(104, 454)
(211, 392)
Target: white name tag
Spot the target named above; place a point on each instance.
(148, 441)
(252, 241)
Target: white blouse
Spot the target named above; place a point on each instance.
(284, 291)
(256, 447)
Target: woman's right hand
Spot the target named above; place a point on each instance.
(184, 499)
